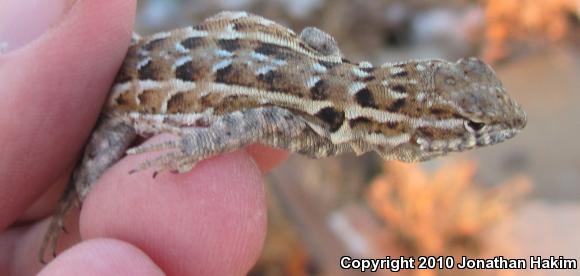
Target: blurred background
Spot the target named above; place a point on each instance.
(517, 199)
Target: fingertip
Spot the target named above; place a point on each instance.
(23, 21)
(102, 257)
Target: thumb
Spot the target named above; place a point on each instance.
(52, 87)
(23, 21)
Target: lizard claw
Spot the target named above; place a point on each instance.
(50, 240)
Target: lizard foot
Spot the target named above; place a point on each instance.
(53, 232)
(172, 161)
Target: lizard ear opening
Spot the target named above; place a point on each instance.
(474, 126)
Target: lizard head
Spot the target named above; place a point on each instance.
(473, 96)
(462, 105)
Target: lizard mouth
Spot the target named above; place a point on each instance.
(492, 135)
(503, 131)
(495, 136)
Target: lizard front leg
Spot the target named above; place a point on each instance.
(226, 133)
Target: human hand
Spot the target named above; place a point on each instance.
(209, 221)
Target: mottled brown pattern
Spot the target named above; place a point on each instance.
(194, 42)
(332, 117)
(248, 80)
(151, 100)
(126, 102)
(155, 44)
(155, 70)
(399, 88)
(284, 70)
(128, 69)
(359, 122)
(332, 90)
(230, 45)
(191, 71)
(275, 51)
(185, 103)
(185, 71)
(438, 133)
(365, 98)
(396, 105)
(368, 126)
(444, 112)
(320, 90)
(229, 104)
(276, 81)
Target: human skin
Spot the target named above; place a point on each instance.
(53, 80)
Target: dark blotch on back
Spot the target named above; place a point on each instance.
(397, 105)
(223, 75)
(365, 98)
(319, 91)
(229, 45)
(332, 117)
(359, 121)
(273, 50)
(438, 111)
(193, 42)
(176, 104)
(270, 77)
(185, 71)
(267, 49)
(399, 88)
(148, 72)
(153, 44)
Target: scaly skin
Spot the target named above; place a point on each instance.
(238, 79)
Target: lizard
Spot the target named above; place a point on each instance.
(238, 78)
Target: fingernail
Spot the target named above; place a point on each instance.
(22, 21)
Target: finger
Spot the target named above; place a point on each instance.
(210, 221)
(102, 257)
(23, 21)
(19, 246)
(52, 91)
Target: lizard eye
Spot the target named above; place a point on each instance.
(474, 126)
